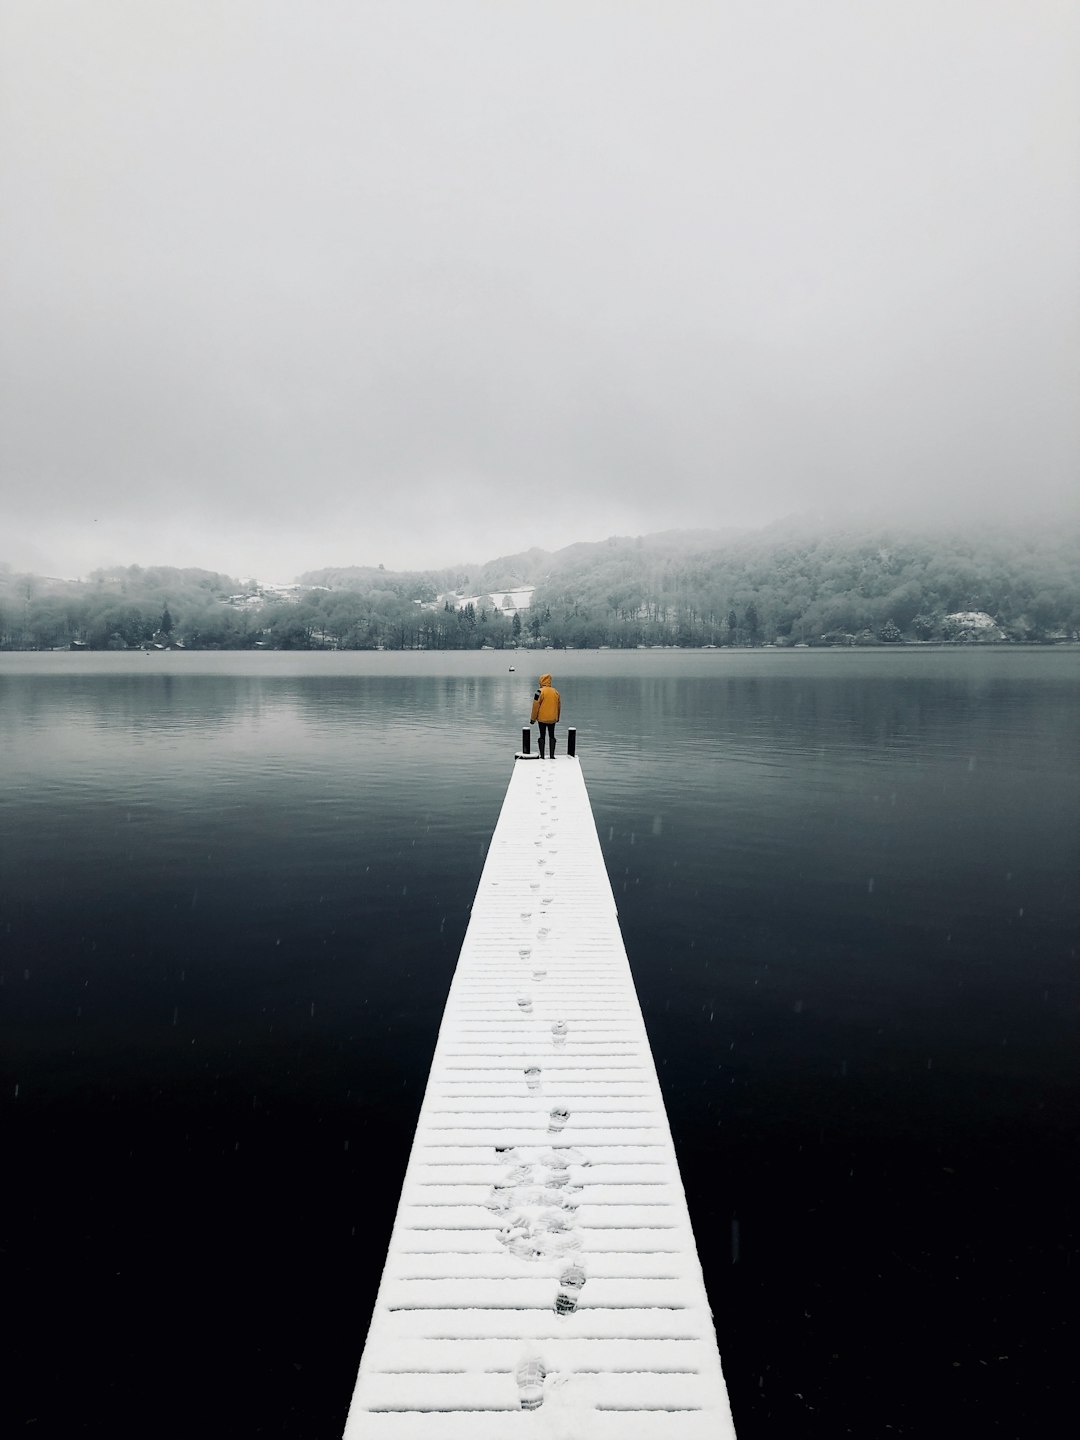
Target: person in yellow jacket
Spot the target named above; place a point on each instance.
(546, 708)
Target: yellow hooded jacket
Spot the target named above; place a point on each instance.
(547, 704)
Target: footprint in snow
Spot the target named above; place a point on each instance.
(571, 1283)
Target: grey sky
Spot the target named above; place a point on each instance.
(338, 282)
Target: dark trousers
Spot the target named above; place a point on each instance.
(543, 724)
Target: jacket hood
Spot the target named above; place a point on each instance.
(545, 680)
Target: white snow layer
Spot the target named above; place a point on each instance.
(542, 1275)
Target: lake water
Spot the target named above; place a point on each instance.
(232, 892)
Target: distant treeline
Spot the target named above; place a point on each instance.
(778, 586)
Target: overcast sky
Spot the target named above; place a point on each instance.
(338, 282)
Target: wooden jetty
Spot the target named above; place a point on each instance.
(542, 1277)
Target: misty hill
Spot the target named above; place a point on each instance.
(508, 572)
(798, 582)
(802, 580)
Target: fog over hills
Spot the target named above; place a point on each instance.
(801, 581)
(532, 566)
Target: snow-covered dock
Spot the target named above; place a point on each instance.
(542, 1277)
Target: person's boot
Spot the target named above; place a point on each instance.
(553, 749)
(540, 747)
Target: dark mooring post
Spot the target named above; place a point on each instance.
(526, 739)
(571, 741)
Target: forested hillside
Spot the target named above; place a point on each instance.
(786, 585)
(791, 585)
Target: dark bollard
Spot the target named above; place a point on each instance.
(526, 739)
(571, 741)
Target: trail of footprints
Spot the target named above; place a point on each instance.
(537, 1177)
(536, 1197)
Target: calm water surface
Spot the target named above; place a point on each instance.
(232, 892)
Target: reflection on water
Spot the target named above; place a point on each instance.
(233, 889)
